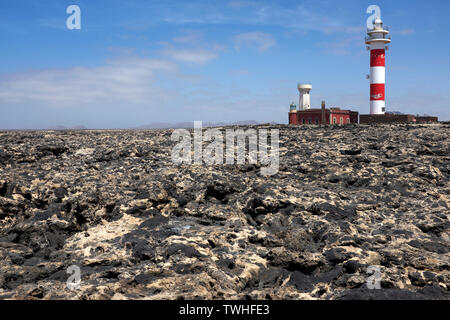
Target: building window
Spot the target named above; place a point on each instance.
(341, 121)
(303, 121)
(348, 121)
(334, 120)
(317, 121)
(309, 121)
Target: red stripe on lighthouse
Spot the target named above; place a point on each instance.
(377, 58)
(377, 92)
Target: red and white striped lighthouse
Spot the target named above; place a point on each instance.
(377, 40)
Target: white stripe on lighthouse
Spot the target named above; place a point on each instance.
(376, 107)
(377, 75)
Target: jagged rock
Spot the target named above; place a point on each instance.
(4, 157)
(345, 200)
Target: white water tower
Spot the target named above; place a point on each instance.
(305, 101)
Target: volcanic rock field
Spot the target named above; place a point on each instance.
(138, 226)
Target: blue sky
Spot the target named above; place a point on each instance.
(135, 62)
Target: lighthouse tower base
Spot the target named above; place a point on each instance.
(377, 107)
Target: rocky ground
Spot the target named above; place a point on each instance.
(139, 227)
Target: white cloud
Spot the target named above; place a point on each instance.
(240, 72)
(190, 47)
(261, 41)
(189, 36)
(122, 51)
(344, 46)
(191, 55)
(128, 80)
(405, 32)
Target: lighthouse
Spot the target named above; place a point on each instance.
(377, 40)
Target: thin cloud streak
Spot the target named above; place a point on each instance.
(197, 56)
(261, 41)
(249, 13)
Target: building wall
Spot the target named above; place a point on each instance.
(314, 116)
(386, 118)
(354, 117)
(309, 117)
(339, 118)
(343, 117)
(427, 119)
(292, 118)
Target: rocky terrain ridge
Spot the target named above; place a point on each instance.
(139, 227)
